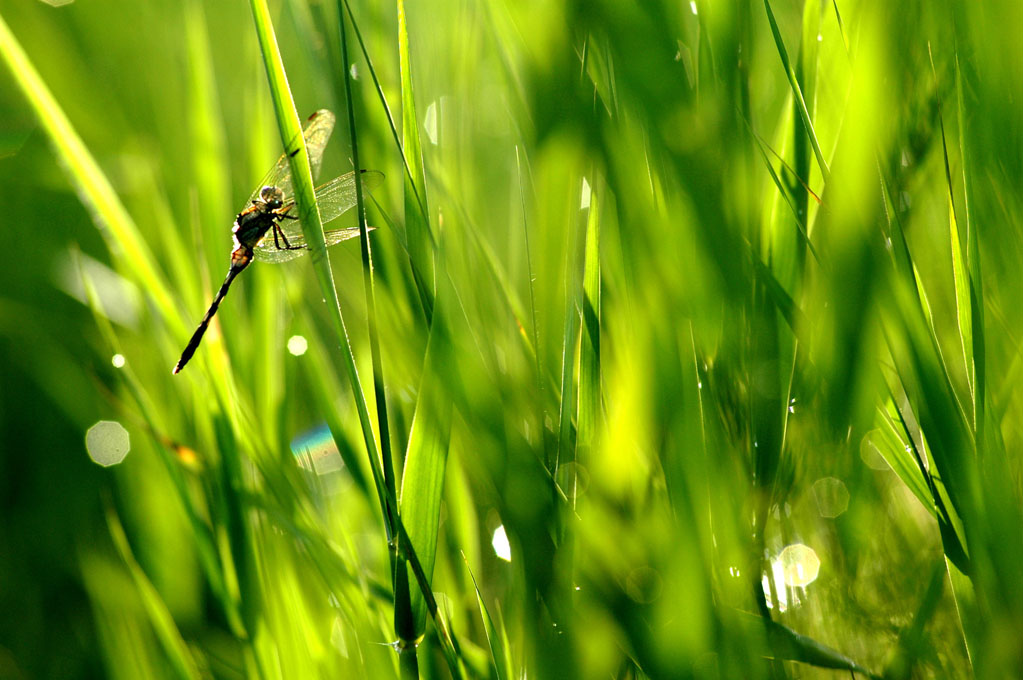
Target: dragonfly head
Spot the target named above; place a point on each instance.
(273, 197)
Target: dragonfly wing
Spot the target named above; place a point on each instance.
(267, 250)
(333, 198)
(337, 196)
(316, 134)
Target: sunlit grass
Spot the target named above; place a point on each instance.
(680, 341)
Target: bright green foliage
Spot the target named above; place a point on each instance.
(682, 340)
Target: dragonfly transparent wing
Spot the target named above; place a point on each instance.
(267, 250)
(316, 134)
(333, 198)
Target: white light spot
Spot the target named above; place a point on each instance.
(117, 360)
(584, 203)
(799, 565)
(692, 5)
(354, 70)
(297, 345)
(119, 298)
(778, 574)
(107, 443)
(502, 548)
(820, 38)
(430, 122)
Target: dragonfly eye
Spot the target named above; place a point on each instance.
(272, 196)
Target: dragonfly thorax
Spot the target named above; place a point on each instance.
(272, 197)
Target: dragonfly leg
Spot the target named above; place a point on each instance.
(279, 236)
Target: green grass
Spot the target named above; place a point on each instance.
(661, 289)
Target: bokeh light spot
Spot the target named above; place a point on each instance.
(107, 443)
(573, 479)
(832, 496)
(118, 361)
(502, 548)
(316, 451)
(870, 454)
(297, 345)
(430, 122)
(800, 565)
(644, 585)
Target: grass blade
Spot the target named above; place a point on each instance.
(797, 94)
(589, 350)
(93, 188)
(421, 241)
(167, 632)
(291, 137)
(379, 392)
(496, 638)
(422, 483)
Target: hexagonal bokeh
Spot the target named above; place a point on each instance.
(107, 443)
(832, 496)
(800, 565)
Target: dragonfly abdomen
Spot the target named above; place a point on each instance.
(240, 259)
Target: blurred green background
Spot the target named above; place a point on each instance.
(710, 308)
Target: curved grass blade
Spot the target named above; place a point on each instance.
(785, 643)
(94, 190)
(174, 645)
(496, 638)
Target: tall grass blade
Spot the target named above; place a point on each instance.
(496, 638)
(291, 137)
(797, 94)
(421, 239)
(973, 265)
(589, 349)
(167, 632)
(379, 392)
(422, 484)
(92, 186)
(960, 276)
(200, 530)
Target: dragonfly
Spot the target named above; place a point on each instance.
(268, 229)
